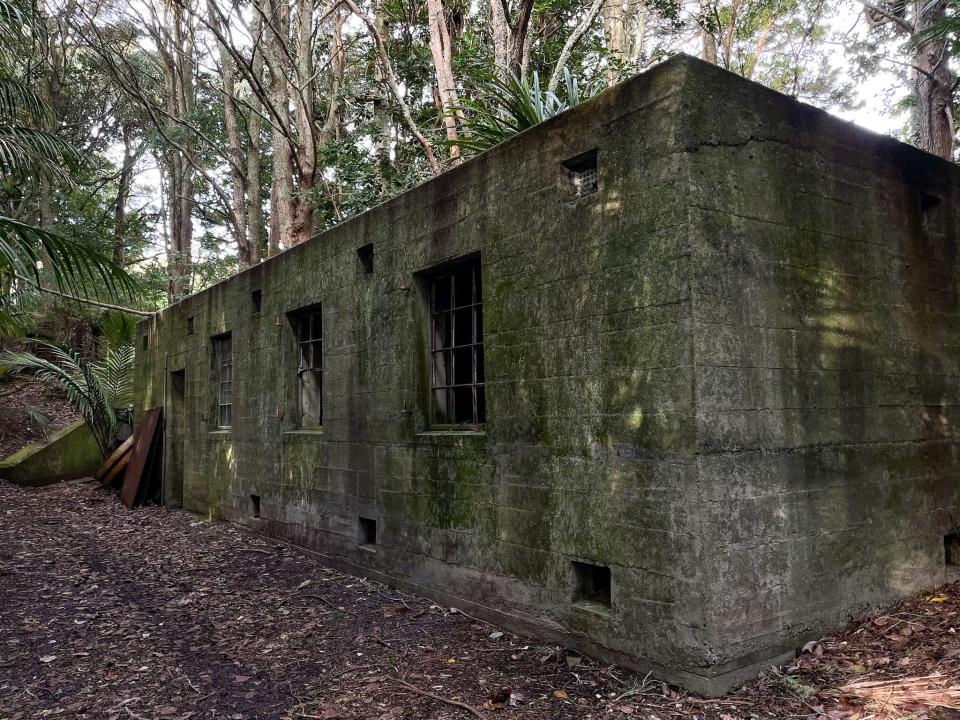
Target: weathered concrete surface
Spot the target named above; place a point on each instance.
(729, 376)
(69, 453)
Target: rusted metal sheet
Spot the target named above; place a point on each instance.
(145, 441)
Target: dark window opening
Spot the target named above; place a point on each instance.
(256, 297)
(951, 549)
(932, 217)
(365, 255)
(255, 505)
(580, 174)
(456, 346)
(366, 531)
(145, 342)
(190, 325)
(591, 584)
(223, 374)
(928, 201)
(309, 329)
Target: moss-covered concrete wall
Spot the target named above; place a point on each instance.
(824, 287)
(67, 454)
(695, 378)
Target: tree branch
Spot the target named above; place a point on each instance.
(903, 24)
(391, 79)
(86, 301)
(571, 43)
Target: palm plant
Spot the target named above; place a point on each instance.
(101, 391)
(506, 107)
(30, 151)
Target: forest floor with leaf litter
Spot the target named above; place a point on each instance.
(29, 412)
(157, 614)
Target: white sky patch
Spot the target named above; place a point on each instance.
(878, 93)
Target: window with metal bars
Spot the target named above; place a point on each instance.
(309, 328)
(223, 374)
(581, 175)
(456, 346)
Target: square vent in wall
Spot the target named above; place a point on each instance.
(580, 174)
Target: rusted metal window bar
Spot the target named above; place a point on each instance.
(224, 357)
(310, 342)
(456, 347)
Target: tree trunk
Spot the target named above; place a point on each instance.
(123, 195)
(255, 229)
(281, 188)
(571, 43)
(509, 30)
(933, 83)
(500, 29)
(381, 109)
(623, 43)
(178, 81)
(246, 255)
(305, 123)
(442, 54)
(709, 47)
(751, 66)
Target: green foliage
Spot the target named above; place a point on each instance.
(504, 108)
(102, 392)
(31, 151)
(39, 419)
(948, 28)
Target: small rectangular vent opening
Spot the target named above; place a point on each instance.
(256, 298)
(365, 255)
(591, 585)
(255, 505)
(951, 549)
(580, 174)
(366, 533)
(190, 325)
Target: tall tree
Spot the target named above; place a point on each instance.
(509, 24)
(925, 25)
(441, 49)
(173, 32)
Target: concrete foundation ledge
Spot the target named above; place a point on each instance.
(706, 681)
(69, 453)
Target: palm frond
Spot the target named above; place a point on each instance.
(39, 368)
(11, 324)
(14, 21)
(75, 266)
(15, 305)
(17, 101)
(100, 392)
(948, 27)
(39, 419)
(118, 329)
(115, 376)
(17, 25)
(27, 153)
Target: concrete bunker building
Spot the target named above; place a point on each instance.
(673, 377)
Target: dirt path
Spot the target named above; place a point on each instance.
(158, 614)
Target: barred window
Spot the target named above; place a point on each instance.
(309, 328)
(456, 346)
(581, 175)
(223, 374)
